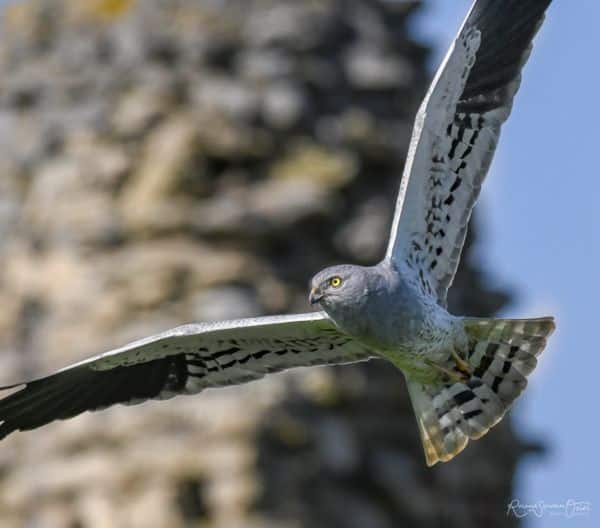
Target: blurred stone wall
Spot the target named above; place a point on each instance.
(168, 161)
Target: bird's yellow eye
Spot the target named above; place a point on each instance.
(335, 282)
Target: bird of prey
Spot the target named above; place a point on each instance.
(462, 373)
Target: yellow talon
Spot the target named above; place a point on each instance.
(450, 374)
(461, 364)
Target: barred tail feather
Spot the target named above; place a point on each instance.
(502, 353)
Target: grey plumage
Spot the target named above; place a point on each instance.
(462, 374)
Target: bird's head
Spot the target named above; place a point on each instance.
(338, 285)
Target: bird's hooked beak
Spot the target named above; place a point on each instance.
(315, 295)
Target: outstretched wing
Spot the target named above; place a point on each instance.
(455, 135)
(184, 360)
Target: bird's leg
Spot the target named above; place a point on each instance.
(453, 375)
(461, 364)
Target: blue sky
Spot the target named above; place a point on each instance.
(538, 213)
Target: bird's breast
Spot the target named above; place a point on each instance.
(384, 321)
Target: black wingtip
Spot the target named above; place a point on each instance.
(507, 29)
(71, 392)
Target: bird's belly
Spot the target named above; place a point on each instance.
(415, 348)
(415, 361)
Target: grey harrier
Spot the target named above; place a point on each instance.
(462, 373)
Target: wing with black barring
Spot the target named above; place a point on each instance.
(184, 360)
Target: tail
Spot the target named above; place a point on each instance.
(502, 353)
